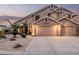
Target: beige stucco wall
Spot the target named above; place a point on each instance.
(48, 23)
(75, 18)
(65, 12)
(54, 15)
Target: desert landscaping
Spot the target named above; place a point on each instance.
(7, 46)
(49, 45)
(51, 30)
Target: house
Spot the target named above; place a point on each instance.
(52, 21)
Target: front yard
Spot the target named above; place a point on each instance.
(7, 46)
(47, 45)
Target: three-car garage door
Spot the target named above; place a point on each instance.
(55, 31)
(46, 31)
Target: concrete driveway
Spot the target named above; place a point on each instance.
(64, 45)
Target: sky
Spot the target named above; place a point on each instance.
(22, 10)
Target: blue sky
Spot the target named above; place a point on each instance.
(22, 10)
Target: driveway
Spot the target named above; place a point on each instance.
(64, 45)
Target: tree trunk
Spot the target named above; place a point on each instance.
(14, 36)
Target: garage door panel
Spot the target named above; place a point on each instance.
(46, 31)
(70, 31)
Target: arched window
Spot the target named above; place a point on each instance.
(45, 20)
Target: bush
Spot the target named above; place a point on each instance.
(2, 34)
(23, 35)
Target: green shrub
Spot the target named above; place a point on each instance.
(2, 34)
(23, 35)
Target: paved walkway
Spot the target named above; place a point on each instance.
(53, 46)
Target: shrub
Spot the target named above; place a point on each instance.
(23, 35)
(2, 34)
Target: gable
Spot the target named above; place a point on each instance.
(75, 18)
(60, 12)
(54, 15)
(46, 21)
(67, 22)
(44, 12)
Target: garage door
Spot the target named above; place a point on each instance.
(70, 31)
(46, 31)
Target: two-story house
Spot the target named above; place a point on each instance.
(52, 21)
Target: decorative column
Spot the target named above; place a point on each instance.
(28, 28)
(62, 30)
(77, 31)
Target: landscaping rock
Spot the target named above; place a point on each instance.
(12, 39)
(17, 46)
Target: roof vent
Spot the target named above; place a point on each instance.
(51, 7)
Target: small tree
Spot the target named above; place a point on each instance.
(14, 32)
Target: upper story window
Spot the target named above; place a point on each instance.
(45, 20)
(37, 17)
(49, 14)
(68, 16)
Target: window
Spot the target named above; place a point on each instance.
(45, 20)
(69, 16)
(49, 14)
(37, 17)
